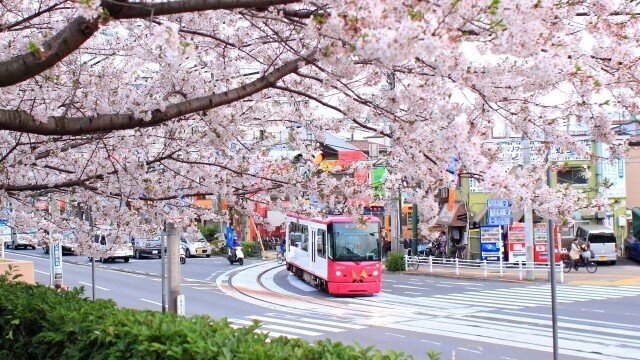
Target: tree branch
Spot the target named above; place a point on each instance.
(21, 121)
(78, 31)
(66, 41)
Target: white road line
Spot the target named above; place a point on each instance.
(431, 342)
(410, 287)
(41, 272)
(276, 334)
(398, 335)
(469, 350)
(572, 319)
(299, 323)
(152, 302)
(447, 286)
(569, 324)
(325, 322)
(290, 329)
(511, 300)
(412, 293)
(97, 287)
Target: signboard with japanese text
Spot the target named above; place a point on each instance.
(56, 263)
(498, 212)
(613, 175)
(511, 155)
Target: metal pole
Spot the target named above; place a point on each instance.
(163, 264)
(414, 229)
(93, 277)
(552, 273)
(173, 267)
(528, 216)
(400, 238)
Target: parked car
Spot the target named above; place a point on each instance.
(602, 241)
(147, 247)
(68, 240)
(195, 245)
(632, 247)
(111, 250)
(23, 240)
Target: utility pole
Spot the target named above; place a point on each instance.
(173, 266)
(528, 216)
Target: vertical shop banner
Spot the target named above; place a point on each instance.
(56, 263)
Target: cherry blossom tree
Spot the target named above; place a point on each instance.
(130, 107)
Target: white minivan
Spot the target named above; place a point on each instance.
(602, 241)
(110, 250)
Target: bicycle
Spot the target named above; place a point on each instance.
(590, 265)
(280, 257)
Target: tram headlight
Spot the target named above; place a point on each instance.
(375, 272)
(338, 273)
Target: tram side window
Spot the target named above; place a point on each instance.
(304, 244)
(321, 242)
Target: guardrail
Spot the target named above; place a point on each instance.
(487, 268)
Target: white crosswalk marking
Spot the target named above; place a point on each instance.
(496, 315)
(293, 326)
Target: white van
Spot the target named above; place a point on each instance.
(111, 251)
(602, 241)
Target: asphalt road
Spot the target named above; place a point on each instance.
(476, 319)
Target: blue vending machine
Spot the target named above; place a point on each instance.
(491, 242)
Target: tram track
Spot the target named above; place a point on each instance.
(260, 294)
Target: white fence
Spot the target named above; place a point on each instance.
(486, 268)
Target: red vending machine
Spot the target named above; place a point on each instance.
(540, 243)
(517, 248)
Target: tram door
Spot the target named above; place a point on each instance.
(318, 252)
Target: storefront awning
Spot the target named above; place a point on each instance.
(452, 218)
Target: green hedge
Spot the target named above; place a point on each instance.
(37, 322)
(250, 248)
(394, 261)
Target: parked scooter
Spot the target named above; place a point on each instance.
(183, 258)
(235, 255)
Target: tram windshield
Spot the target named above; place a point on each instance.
(353, 242)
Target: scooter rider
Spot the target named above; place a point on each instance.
(232, 248)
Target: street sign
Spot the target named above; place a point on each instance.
(498, 203)
(499, 220)
(56, 263)
(498, 212)
(494, 212)
(181, 307)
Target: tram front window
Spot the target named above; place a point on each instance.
(352, 242)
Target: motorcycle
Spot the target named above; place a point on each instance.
(235, 256)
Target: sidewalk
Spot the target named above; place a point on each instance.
(624, 273)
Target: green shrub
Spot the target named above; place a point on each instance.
(394, 261)
(210, 232)
(36, 322)
(250, 248)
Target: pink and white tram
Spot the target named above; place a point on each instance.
(334, 253)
